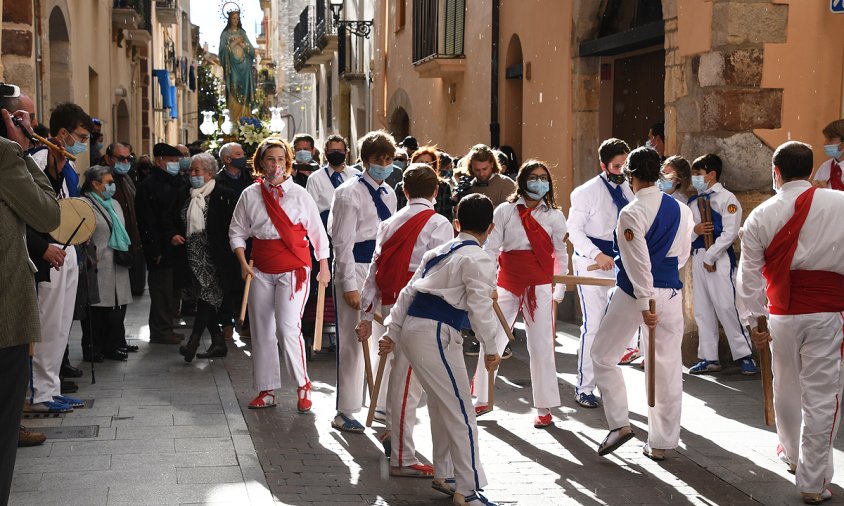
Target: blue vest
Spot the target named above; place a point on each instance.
(433, 307)
(660, 237)
(617, 194)
(717, 229)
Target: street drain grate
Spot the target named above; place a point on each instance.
(70, 432)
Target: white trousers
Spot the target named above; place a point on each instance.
(540, 345)
(350, 375)
(56, 300)
(378, 331)
(435, 352)
(808, 380)
(593, 305)
(275, 310)
(623, 318)
(403, 399)
(715, 300)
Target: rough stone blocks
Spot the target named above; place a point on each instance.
(17, 43)
(741, 110)
(748, 23)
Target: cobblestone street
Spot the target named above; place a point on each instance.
(172, 433)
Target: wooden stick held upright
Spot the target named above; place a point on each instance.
(705, 209)
(767, 375)
(379, 376)
(320, 315)
(367, 369)
(651, 360)
(500, 314)
(246, 286)
(491, 389)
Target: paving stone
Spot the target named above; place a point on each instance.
(210, 475)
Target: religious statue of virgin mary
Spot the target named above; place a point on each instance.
(237, 56)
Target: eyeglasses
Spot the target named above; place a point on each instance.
(83, 138)
(533, 179)
(129, 158)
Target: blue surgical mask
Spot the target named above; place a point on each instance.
(122, 168)
(184, 164)
(400, 164)
(832, 151)
(304, 156)
(537, 189)
(649, 144)
(665, 185)
(380, 172)
(76, 148)
(173, 168)
(699, 184)
(197, 181)
(110, 190)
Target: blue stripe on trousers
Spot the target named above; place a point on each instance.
(462, 406)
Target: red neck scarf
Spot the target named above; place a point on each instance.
(392, 268)
(291, 253)
(520, 270)
(835, 176)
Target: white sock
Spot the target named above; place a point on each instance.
(543, 411)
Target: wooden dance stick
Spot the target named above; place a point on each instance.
(651, 360)
(242, 315)
(705, 209)
(320, 315)
(593, 267)
(367, 368)
(373, 401)
(500, 314)
(571, 281)
(490, 404)
(767, 375)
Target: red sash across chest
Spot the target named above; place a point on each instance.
(290, 252)
(520, 271)
(793, 292)
(392, 271)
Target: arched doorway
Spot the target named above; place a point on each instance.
(123, 126)
(60, 64)
(513, 95)
(399, 124)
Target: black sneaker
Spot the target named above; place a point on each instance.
(507, 352)
(473, 349)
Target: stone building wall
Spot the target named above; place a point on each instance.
(17, 48)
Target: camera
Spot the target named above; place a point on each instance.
(7, 91)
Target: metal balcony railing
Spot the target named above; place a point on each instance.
(303, 40)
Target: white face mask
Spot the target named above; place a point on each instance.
(774, 182)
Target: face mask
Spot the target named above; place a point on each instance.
(184, 164)
(304, 156)
(110, 190)
(665, 185)
(400, 164)
(239, 163)
(446, 174)
(197, 181)
(76, 148)
(173, 168)
(122, 168)
(336, 159)
(99, 146)
(832, 151)
(774, 182)
(615, 178)
(699, 184)
(379, 172)
(537, 189)
(649, 144)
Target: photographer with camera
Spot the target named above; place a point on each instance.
(28, 199)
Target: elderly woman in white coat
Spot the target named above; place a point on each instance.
(112, 242)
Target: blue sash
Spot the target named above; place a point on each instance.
(432, 307)
(380, 206)
(606, 247)
(335, 177)
(659, 238)
(717, 229)
(364, 251)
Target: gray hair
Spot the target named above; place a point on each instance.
(95, 173)
(207, 161)
(225, 148)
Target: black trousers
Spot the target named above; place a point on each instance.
(162, 308)
(206, 317)
(107, 329)
(14, 376)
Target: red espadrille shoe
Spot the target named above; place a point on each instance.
(265, 399)
(304, 394)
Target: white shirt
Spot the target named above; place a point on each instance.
(465, 279)
(823, 172)
(727, 205)
(354, 219)
(436, 232)
(320, 188)
(40, 158)
(509, 233)
(819, 246)
(251, 219)
(637, 217)
(593, 213)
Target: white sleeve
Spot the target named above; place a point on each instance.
(316, 232)
(344, 224)
(578, 216)
(751, 284)
(479, 279)
(636, 257)
(558, 237)
(398, 313)
(240, 228)
(492, 246)
(311, 186)
(687, 224)
(370, 295)
(731, 223)
(441, 235)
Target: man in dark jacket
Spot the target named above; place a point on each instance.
(155, 202)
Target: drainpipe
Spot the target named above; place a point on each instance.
(39, 60)
(494, 126)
